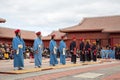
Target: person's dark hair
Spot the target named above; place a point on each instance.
(107, 46)
(16, 34)
(52, 37)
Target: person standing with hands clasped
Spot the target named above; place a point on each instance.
(73, 50)
(38, 49)
(53, 51)
(18, 46)
(62, 49)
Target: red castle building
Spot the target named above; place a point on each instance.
(7, 34)
(103, 30)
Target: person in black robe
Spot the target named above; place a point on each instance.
(116, 52)
(82, 46)
(87, 51)
(119, 52)
(73, 50)
(94, 52)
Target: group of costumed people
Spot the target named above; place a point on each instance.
(87, 52)
(18, 46)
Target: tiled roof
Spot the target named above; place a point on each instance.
(104, 24)
(28, 35)
(9, 33)
(57, 37)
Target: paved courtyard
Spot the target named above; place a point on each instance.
(107, 70)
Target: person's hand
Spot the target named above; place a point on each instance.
(20, 46)
(40, 46)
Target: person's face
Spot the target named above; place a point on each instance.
(114, 48)
(83, 40)
(39, 36)
(87, 42)
(74, 39)
(62, 39)
(19, 33)
(52, 37)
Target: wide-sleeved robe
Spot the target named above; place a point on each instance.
(62, 47)
(53, 55)
(87, 52)
(38, 49)
(94, 53)
(73, 51)
(18, 51)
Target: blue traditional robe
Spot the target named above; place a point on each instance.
(62, 56)
(112, 54)
(18, 54)
(38, 49)
(103, 53)
(53, 56)
(106, 53)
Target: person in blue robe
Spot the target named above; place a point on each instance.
(112, 55)
(107, 52)
(102, 53)
(62, 47)
(53, 51)
(18, 47)
(38, 49)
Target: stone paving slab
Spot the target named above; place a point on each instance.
(88, 75)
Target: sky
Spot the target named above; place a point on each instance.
(49, 15)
